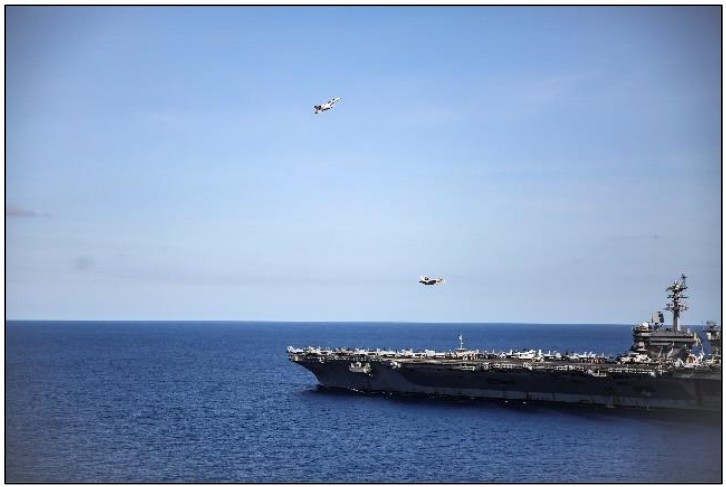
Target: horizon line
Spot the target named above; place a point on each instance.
(8, 320)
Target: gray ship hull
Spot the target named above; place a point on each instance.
(606, 386)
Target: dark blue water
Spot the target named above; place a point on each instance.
(219, 402)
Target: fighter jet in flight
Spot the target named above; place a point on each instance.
(430, 281)
(326, 106)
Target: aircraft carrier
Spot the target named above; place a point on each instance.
(667, 367)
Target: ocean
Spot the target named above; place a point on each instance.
(219, 402)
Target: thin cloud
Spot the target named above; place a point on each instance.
(15, 211)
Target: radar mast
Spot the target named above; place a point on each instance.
(675, 306)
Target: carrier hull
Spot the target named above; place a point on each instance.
(629, 387)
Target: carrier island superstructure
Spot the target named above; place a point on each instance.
(667, 367)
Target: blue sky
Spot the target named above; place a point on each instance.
(555, 164)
